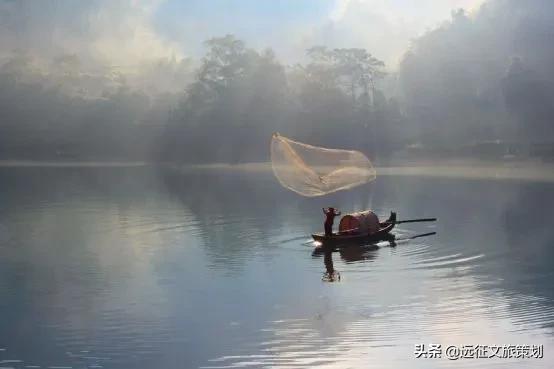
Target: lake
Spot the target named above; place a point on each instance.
(143, 267)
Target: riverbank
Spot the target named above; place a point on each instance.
(69, 164)
(451, 168)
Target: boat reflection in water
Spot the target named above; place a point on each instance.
(350, 253)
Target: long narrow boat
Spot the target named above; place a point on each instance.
(350, 237)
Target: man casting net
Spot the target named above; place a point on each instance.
(315, 171)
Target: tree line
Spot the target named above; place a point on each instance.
(475, 79)
(241, 96)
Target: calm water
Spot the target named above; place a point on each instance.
(144, 268)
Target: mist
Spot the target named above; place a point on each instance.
(196, 83)
(151, 217)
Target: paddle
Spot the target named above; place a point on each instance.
(416, 236)
(415, 220)
(393, 242)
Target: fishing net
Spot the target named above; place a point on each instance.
(316, 171)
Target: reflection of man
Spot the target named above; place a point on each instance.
(331, 274)
(330, 215)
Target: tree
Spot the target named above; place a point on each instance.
(354, 70)
(238, 92)
(227, 60)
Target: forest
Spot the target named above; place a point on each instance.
(479, 84)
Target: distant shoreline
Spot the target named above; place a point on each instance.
(533, 170)
(69, 164)
(529, 170)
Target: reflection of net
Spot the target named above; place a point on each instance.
(315, 171)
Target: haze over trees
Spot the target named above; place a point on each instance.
(479, 77)
(483, 77)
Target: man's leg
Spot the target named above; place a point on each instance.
(328, 229)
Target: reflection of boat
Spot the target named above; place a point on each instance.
(356, 232)
(355, 253)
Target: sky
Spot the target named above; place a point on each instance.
(127, 32)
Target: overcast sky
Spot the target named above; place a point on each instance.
(134, 31)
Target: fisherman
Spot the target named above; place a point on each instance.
(330, 215)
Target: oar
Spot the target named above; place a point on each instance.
(421, 235)
(414, 237)
(415, 220)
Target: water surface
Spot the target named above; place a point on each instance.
(149, 268)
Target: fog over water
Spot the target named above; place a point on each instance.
(142, 226)
(141, 268)
(114, 81)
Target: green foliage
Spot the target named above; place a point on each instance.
(483, 77)
(354, 71)
(240, 96)
(226, 112)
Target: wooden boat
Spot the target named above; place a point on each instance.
(355, 236)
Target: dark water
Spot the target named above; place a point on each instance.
(144, 268)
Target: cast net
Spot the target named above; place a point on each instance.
(315, 171)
